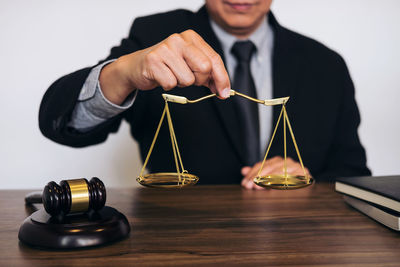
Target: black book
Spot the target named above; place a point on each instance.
(383, 215)
(381, 190)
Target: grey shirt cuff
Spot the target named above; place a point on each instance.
(92, 107)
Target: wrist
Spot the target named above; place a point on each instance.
(114, 83)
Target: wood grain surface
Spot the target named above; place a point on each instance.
(219, 225)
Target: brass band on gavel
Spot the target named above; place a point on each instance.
(74, 196)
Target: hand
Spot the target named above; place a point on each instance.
(180, 60)
(271, 166)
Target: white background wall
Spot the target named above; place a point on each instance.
(42, 40)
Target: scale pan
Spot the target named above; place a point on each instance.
(283, 182)
(167, 180)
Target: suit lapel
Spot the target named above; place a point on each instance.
(284, 66)
(224, 108)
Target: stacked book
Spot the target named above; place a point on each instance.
(377, 197)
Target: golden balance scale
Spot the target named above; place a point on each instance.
(182, 178)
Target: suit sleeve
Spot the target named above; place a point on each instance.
(60, 99)
(347, 155)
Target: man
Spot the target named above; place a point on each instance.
(222, 140)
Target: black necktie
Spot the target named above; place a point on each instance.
(247, 111)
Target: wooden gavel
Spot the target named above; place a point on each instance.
(71, 196)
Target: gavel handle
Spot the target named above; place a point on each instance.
(33, 198)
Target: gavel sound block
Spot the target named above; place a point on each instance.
(74, 216)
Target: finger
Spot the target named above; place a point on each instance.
(252, 172)
(292, 168)
(188, 63)
(164, 77)
(244, 182)
(245, 170)
(295, 170)
(268, 167)
(246, 179)
(219, 82)
(249, 184)
(276, 170)
(199, 63)
(291, 165)
(176, 64)
(278, 167)
(253, 186)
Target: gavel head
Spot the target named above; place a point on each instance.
(74, 196)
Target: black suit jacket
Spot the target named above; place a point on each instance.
(322, 108)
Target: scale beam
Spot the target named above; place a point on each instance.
(266, 102)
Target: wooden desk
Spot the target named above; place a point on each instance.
(227, 225)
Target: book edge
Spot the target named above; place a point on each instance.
(349, 181)
(393, 222)
(367, 196)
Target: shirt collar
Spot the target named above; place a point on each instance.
(261, 37)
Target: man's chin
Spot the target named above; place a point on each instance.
(241, 26)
